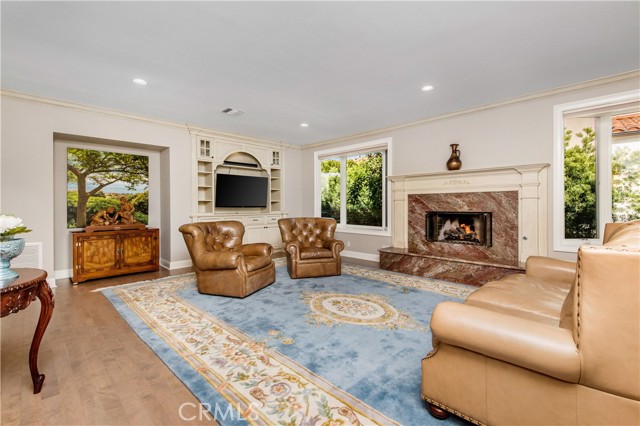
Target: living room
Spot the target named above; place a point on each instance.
(536, 62)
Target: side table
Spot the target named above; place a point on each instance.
(16, 295)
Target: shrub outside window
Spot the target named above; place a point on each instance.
(597, 168)
(352, 186)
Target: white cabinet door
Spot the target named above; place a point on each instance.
(252, 234)
(263, 234)
(273, 237)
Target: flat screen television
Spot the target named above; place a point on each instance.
(241, 191)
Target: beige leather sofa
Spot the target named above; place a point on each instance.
(558, 345)
(310, 246)
(223, 265)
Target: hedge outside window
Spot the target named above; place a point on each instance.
(353, 188)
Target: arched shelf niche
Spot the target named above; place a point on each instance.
(243, 163)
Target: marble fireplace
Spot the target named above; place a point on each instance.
(468, 226)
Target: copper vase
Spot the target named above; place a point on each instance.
(454, 162)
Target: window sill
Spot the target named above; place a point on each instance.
(573, 246)
(356, 230)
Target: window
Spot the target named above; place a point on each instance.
(596, 168)
(351, 186)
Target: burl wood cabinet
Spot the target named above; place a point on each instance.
(108, 253)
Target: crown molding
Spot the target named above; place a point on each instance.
(521, 99)
(217, 133)
(4, 93)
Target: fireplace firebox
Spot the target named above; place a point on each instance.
(472, 228)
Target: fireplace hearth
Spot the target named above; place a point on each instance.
(473, 228)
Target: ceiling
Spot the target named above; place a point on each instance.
(342, 67)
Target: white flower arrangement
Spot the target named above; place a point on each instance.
(11, 225)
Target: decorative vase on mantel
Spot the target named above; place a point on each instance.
(10, 247)
(454, 162)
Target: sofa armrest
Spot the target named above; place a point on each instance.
(217, 260)
(293, 248)
(336, 246)
(254, 249)
(549, 269)
(539, 347)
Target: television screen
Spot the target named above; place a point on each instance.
(241, 191)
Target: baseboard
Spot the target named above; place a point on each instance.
(51, 282)
(62, 274)
(176, 265)
(360, 255)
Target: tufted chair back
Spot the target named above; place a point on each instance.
(308, 231)
(310, 247)
(212, 236)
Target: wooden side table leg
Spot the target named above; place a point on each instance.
(46, 310)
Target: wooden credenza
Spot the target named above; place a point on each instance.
(109, 253)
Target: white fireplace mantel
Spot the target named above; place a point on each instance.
(529, 180)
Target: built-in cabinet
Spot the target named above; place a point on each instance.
(213, 155)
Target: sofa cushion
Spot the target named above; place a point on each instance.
(522, 296)
(625, 236)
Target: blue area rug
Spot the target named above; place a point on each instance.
(323, 351)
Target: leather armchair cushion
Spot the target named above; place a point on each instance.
(315, 253)
(256, 262)
(217, 260)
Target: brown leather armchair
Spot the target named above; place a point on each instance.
(224, 266)
(558, 345)
(310, 247)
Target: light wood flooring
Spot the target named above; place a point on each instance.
(98, 372)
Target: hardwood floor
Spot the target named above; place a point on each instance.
(98, 372)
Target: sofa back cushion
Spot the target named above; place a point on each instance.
(202, 237)
(606, 312)
(307, 231)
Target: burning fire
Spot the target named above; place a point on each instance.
(467, 228)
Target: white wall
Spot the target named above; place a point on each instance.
(514, 133)
(27, 166)
(33, 171)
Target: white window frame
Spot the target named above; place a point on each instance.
(603, 163)
(360, 148)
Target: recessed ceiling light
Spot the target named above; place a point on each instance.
(140, 81)
(304, 124)
(232, 111)
(427, 88)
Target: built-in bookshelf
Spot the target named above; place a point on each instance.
(213, 156)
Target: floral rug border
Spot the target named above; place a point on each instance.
(261, 384)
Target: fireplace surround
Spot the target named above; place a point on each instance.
(516, 197)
